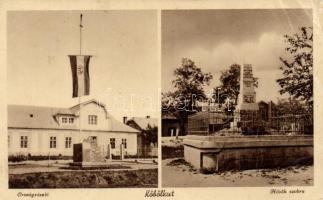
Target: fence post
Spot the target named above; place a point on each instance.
(108, 152)
(121, 151)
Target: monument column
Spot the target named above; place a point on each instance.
(247, 95)
(247, 107)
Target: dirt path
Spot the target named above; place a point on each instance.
(182, 175)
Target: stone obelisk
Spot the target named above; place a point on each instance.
(247, 95)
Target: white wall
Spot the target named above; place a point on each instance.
(39, 140)
(104, 123)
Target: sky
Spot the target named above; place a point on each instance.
(215, 39)
(123, 69)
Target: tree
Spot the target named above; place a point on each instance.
(230, 86)
(189, 85)
(189, 82)
(290, 106)
(298, 67)
(150, 134)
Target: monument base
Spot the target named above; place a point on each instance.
(248, 107)
(88, 165)
(87, 152)
(212, 153)
(88, 155)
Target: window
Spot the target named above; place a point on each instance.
(124, 143)
(68, 142)
(94, 139)
(64, 120)
(52, 142)
(113, 143)
(71, 120)
(24, 141)
(93, 119)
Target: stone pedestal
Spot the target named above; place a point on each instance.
(87, 153)
(247, 152)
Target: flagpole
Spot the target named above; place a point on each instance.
(81, 26)
(80, 120)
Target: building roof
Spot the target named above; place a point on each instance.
(77, 106)
(22, 116)
(208, 115)
(121, 127)
(144, 122)
(168, 116)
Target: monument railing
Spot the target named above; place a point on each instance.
(250, 123)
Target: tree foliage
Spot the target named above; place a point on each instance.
(298, 67)
(290, 106)
(188, 83)
(230, 84)
(151, 134)
(189, 86)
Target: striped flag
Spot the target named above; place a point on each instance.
(80, 74)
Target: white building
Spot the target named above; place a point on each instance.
(53, 131)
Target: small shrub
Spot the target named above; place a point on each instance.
(141, 156)
(17, 158)
(177, 162)
(208, 170)
(20, 158)
(115, 157)
(172, 152)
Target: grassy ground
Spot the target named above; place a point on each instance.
(85, 179)
(58, 174)
(56, 166)
(172, 147)
(172, 152)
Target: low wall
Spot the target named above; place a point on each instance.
(216, 153)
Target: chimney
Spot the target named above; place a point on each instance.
(125, 119)
(147, 116)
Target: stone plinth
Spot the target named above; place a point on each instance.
(247, 152)
(87, 153)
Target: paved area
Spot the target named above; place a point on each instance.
(182, 175)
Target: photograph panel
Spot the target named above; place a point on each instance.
(82, 88)
(237, 98)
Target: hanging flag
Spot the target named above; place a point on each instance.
(80, 74)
